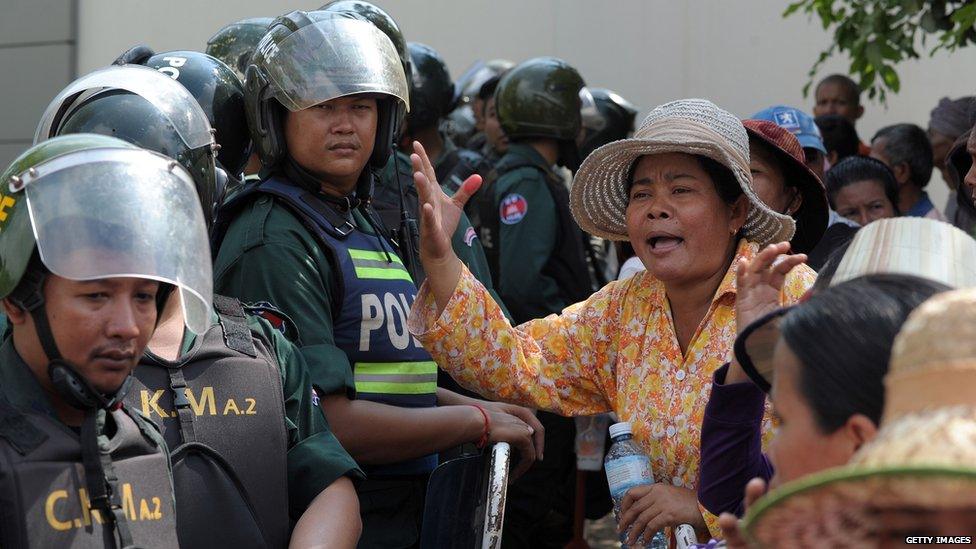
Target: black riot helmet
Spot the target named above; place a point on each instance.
(307, 58)
(144, 107)
(218, 91)
(431, 90)
(234, 43)
(380, 19)
(608, 117)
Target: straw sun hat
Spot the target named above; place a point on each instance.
(599, 197)
(923, 459)
(914, 246)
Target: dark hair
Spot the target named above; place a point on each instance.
(843, 339)
(861, 168)
(850, 86)
(726, 185)
(839, 135)
(488, 88)
(910, 144)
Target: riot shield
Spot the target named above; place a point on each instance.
(465, 505)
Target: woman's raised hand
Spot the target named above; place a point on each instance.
(760, 281)
(758, 284)
(439, 215)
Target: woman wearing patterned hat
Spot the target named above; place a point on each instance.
(918, 476)
(645, 348)
(783, 181)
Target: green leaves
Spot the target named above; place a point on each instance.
(878, 34)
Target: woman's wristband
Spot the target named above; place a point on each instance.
(486, 432)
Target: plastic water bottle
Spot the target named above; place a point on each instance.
(627, 467)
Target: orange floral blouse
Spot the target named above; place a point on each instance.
(616, 351)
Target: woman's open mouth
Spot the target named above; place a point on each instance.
(664, 244)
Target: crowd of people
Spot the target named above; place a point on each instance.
(254, 296)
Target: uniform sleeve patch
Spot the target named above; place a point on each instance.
(513, 209)
(278, 320)
(469, 236)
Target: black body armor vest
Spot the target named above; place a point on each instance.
(221, 408)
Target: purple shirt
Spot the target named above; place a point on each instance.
(731, 444)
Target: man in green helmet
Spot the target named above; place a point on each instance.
(534, 247)
(82, 291)
(307, 239)
(239, 379)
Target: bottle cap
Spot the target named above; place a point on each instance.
(622, 428)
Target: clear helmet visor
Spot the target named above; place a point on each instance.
(330, 59)
(110, 213)
(169, 96)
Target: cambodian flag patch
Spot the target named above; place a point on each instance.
(469, 236)
(513, 209)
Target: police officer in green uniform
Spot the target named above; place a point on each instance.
(431, 93)
(240, 379)
(77, 467)
(306, 239)
(466, 123)
(534, 247)
(536, 251)
(496, 142)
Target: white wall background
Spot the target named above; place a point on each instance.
(743, 55)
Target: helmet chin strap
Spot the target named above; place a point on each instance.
(312, 183)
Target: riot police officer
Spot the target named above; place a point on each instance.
(78, 469)
(239, 379)
(306, 239)
(466, 123)
(496, 142)
(534, 247)
(220, 94)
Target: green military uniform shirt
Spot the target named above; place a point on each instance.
(315, 457)
(527, 237)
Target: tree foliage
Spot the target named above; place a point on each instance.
(878, 34)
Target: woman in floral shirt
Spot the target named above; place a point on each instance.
(680, 191)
